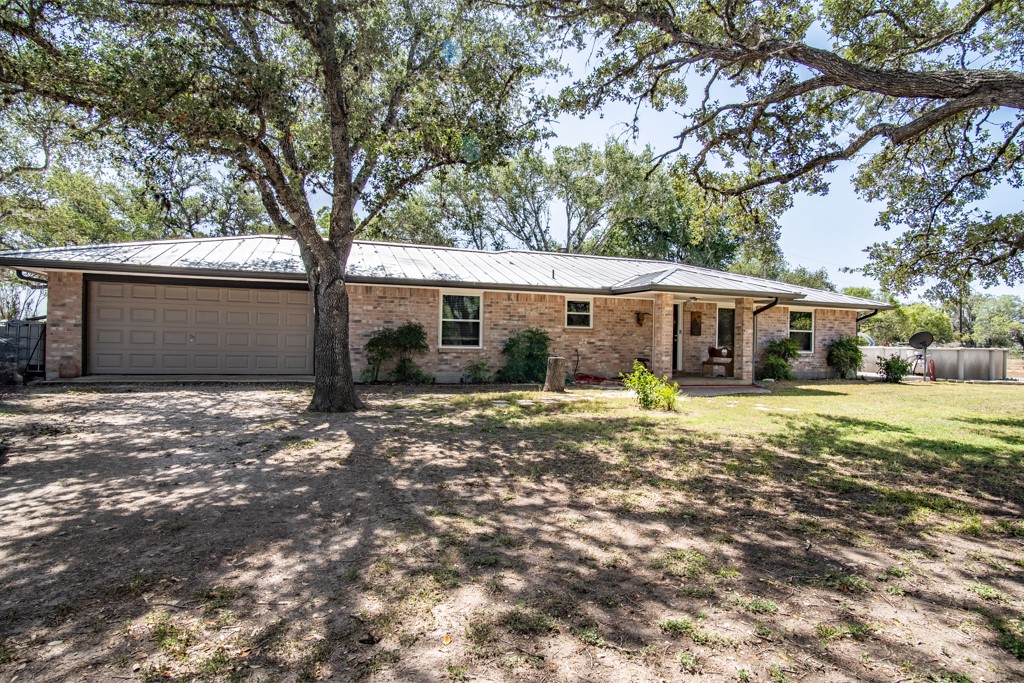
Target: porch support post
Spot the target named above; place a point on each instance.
(661, 352)
(744, 364)
(65, 306)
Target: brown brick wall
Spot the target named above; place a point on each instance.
(605, 350)
(695, 348)
(662, 320)
(829, 324)
(744, 364)
(64, 313)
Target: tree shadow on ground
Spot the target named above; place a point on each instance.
(547, 542)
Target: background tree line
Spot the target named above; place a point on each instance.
(979, 319)
(62, 183)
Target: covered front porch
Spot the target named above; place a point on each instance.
(688, 329)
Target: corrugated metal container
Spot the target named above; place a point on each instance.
(959, 363)
(23, 343)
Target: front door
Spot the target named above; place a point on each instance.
(726, 328)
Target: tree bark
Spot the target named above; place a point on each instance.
(333, 386)
(555, 380)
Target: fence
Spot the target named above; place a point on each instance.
(23, 343)
(960, 363)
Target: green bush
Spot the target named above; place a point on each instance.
(477, 372)
(784, 348)
(776, 368)
(777, 357)
(388, 344)
(893, 369)
(651, 392)
(407, 372)
(526, 356)
(845, 356)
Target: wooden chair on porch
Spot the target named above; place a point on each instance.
(718, 358)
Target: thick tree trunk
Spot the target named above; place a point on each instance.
(555, 380)
(334, 388)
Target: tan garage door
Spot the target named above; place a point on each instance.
(170, 329)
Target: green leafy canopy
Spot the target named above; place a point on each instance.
(927, 96)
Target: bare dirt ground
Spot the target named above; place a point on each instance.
(219, 533)
(1015, 368)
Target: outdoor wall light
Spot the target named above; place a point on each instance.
(640, 317)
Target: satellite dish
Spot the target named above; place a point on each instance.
(922, 340)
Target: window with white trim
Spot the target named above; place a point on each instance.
(579, 313)
(801, 329)
(726, 328)
(460, 320)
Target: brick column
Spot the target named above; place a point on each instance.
(744, 369)
(64, 317)
(661, 352)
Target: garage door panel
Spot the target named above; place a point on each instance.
(207, 362)
(108, 361)
(142, 337)
(208, 293)
(107, 290)
(268, 339)
(175, 361)
(174, 338)
(205, 316)
(142, 314)
(111, 337)
(110, 313)
(176, 293)
(175, 316)
(177, 329)
(143, 292)
(237, 361)
(142, 361)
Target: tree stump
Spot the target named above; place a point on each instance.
(555, 380)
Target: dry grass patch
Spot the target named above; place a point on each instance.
(192, 534)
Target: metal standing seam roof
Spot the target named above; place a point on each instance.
(277, 257)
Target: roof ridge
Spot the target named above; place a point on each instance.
(533, 252)
(664, 275)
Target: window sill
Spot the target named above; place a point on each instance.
(449, 349)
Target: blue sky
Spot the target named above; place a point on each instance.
(829, 231)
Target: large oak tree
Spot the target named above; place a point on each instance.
(347, 104)
(926, 95)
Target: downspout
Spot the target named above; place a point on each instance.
(764, 308)
(862, 318)
(31, 279)
(757, 312)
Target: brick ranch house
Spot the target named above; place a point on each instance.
(240, 306)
